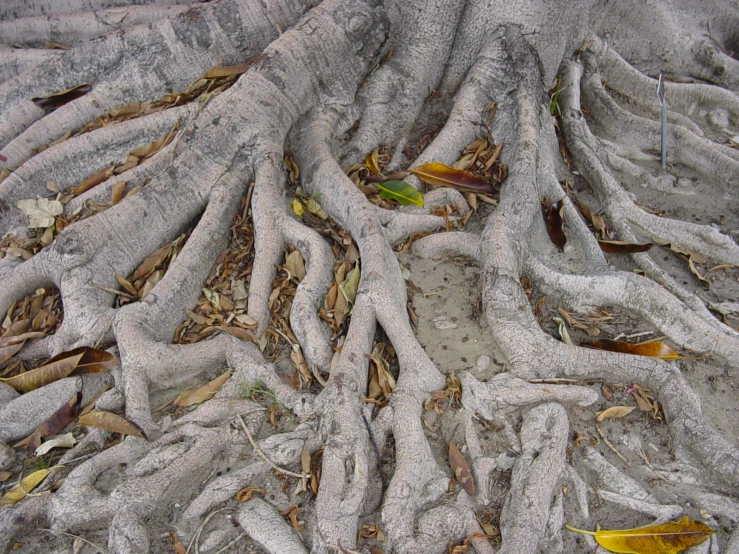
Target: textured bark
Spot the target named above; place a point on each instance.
(316, 71)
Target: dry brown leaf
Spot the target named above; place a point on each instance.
(461, 469)
(614, 412)
(116, 192)
(93, 180)
(54, 101)
(202, 394)
(372, 162)
(440, 175)
(295, 265)
(176, 544)
(4, 476)
(246, 494)
(228, 70)
(553, 214)
(623, 247)
(47, 373)
(112, 422)
(54, 424)
(292, 514)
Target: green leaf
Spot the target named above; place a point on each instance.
(350, 285)
(401, 191)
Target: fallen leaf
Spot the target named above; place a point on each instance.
(613, 412)
(315, 208)
(60, 441)
(665, 538)
(461, 469)
(92, 361)
(695, 271)
(372, 161)
(57, 100)
(41, 212)
(292, 513)
(228, 70)
(10, 351)
(555, 223)
(93, 180)
(112, 422)
(53, 424)
(4, 476)
(350, 286)
(297, 207)
(295, 265)
(650, 349)
(401, 192)
(45, 374)
(202, 394)
(116, 192)
(305, 460)
(176, 544)
(245, 495)
(623, 247)
(17, 339)
(27, 484)
(440, 175)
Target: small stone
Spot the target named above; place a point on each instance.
(483, 362)
(444, 324)
(505, 462)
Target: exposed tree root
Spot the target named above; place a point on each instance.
(299, 95)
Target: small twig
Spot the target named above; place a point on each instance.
(118, 292)
(317, 375)
(229, 545)
(258, 450)
(283, 335)
(613, 448)
(76, 537)
(196, 538)
(643, 456)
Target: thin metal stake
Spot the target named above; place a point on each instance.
(663, 141)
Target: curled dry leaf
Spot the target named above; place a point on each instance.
(60, 441)
(54, 101)
(295, 265)
(614, 411)
(440, 175)
(27, 484)
(291, 512)
(401, 192)
(666, 538)
(461, 469)
(228, 70)
(349, 287)
(246, 494)
(202, 394)
(650, 349)
(54, 424)
(372, 161)
(93, 180)
(113, 423)
(623, 247)
(555, 223)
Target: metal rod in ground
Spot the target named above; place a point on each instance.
(663, 137)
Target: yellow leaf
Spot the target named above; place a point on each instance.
(315, 208)
(27, 484)
(372, 161)
(440, 175)
(297, 207)
(614, 411)
(666, 538)
(111, 422)
(202, 394)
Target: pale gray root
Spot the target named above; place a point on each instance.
(641, 296)
(661, 512)
(20, 417)
(121, 76)
(398, 226)
(351, 485)
(263, 523)
(143, 329)
(716, 162)
(482, 465)
(418, 480)
(620, 209)
(16, 9)
(449, 522)
(551, 542)
(74, 160)
(607, 476)
(282, 449)
(581, 491)
(684, 40)
(421, 39)
(536, 474)
(733, 546)
(453, 243)
(312, 334)
(71, 29)
(703, 105)
(272, 227)
(146, 171)
(14, 61)
(16, 519)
